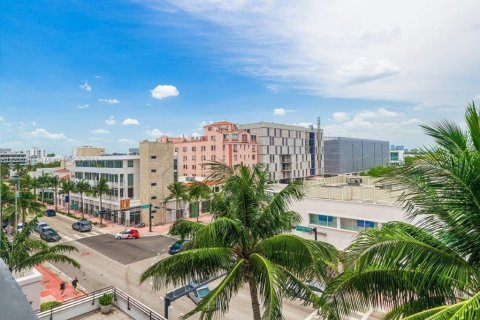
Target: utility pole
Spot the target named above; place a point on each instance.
(150, 217)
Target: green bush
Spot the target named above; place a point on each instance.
(48, 305)
(106, 299)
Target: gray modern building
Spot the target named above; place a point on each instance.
(291, 152)
(351, 155)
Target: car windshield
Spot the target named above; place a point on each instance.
(202, 292)
(85, 223)
(51, 232)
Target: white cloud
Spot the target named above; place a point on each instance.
(125, 140)
(156, 133)
(99, 131)
(83, 106)
(346, 48)
(98, 77)
(109, 101)
(281, 111)
(130, 122)
(164, 91)
(110, 121)
(42, 133)
(340, 116)
(86, 86)
(3, 122)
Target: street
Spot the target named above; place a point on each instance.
(106, 261)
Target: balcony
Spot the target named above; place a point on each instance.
(286, 159)
(88, 307)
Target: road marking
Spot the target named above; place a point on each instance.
(67, 238)
(77, 236)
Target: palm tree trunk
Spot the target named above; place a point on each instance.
(101, 215)
(43, 192)
(81, 200)
(35, 193)
(254, 297)
(56, 200)
(68, 203)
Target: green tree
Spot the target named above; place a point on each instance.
(178, 191)
(55, 183)
(82, 187)
(248, 240)
(23, 252)
(197, 192)
(99, 190)
(66, 188)
(4, 170)
(430, 270)
(35, 184)
(43, 182)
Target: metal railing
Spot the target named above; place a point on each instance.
(93, 297)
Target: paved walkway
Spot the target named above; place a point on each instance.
(50, 286)
(114, 228)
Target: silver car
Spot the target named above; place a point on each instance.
(199, 293)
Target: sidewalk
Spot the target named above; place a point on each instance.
(114, 228)
(50, 286)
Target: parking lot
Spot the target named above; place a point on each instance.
(128, 251)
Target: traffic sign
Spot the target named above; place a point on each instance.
(303, 229)
(145, 206)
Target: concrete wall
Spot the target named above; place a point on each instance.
(347, 209)
(88, 152)
(156, 174)
(29, 282)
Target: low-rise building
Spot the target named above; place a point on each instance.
(7, 156)
(351, 155)
(221, 141)
(397, 157)
(88, 151)
(290, 152)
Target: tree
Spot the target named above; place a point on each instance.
(248, 239)
(43, 182)
(178, 191)
(197, 192)
(35, 184)
(100, 189)
(430, 269)
(67, 187)
(22, 252)
(82, 187)
(55, 183)
(4, 170)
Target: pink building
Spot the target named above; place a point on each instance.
(222, 141)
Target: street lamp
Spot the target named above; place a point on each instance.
(150, 216)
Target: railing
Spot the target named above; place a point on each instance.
(79, 306)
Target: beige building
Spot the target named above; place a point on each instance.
(156, 173)
(87, 151)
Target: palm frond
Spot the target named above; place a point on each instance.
(222, 232)
(185, 228)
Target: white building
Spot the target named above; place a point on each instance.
(397, 157)
(122, 173)
(7, 156)
(290, 152)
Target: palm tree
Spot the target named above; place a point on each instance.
(43, 182)
(23, 252)
(82, 187)
(178, 191)
(66, 188)
(430, 269)
(55, 183)
(249, 241)
(197, 192)
(100, 189)
(35, 184)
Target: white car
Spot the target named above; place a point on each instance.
(199, 293)
(19, 227)
(128, 234)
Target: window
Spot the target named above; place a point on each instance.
(194, 167)
(323, 220)
(153, 184)
(130, 163)
(244, 138)
(212, 138)
(253, 137)
(194, 158)
(225, 137)
(153, 157)
(130, 179)
(356, 225)
(184, 149)
(185, 158)
(176, 149)
(130, 192)
(212, 148)
(194, 149)
(235, 157)
(212, 158)
(204, 158)
(253, 157)
(153, 170)
(153, 197)
(209, 128)
(235, 136)
(203, 148)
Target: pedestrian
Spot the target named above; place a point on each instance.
(62, 288)
(74, 285)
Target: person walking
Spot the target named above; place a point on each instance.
(62, 288)
(74, 285)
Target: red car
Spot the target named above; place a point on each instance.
(128, 234)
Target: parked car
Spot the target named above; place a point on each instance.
(82, 226)
(51, 213)
(199, 293)
(39, 226)
(178, 246)
(49, 235)
(19, 227)
(128, 234)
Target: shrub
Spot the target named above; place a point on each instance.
(106, 299)
(48, 305)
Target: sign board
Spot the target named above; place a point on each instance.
(145, 206)
(124, 203)
(303, 229)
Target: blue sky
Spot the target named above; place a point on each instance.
(82, 72)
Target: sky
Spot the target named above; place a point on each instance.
(113, 73)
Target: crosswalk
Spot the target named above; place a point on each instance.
(79, 235)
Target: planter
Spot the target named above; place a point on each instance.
(106, 309)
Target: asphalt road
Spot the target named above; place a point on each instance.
(128, 251)
(109, 262)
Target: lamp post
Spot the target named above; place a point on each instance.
(150, 206)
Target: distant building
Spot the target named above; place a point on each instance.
(395, 147)
(35, 153)
(134, 151)
(88, 151)
(397, 157)
(351, 155)
(290, 152)
(13, 157)
(221, 141)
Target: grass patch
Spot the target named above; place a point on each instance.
(48, 305)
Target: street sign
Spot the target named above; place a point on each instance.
(145, 206)
(303, 229)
